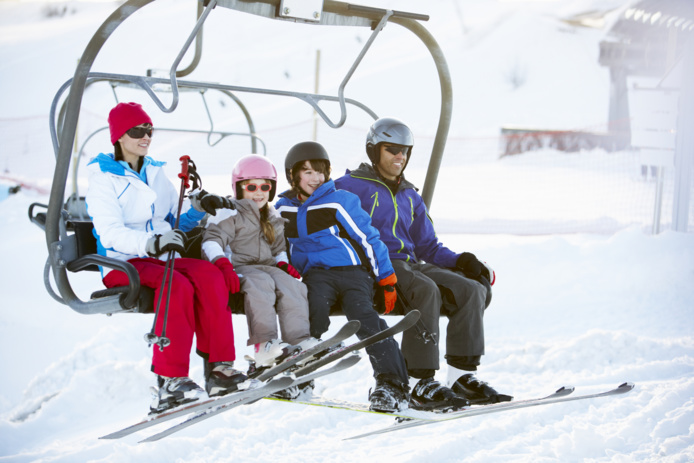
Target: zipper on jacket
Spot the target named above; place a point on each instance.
(411, 210)
(375, 203)
(395, 208)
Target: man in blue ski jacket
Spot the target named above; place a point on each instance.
(431, 277)
(338, 253)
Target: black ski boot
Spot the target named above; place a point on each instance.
(478, 392)
(221, 378)
(388, 396)
(431, 395)
(173, 392)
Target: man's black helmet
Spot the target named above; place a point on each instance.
(304, 151)
(387, 130)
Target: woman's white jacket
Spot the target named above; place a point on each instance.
(128, 208)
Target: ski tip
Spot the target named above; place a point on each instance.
(153, 438)
(410, 318)
(351, 360)
(626, 387)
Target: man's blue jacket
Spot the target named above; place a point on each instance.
(401, 218)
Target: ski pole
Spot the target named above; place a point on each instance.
(151, 337)
(423, 332)
(193, 175)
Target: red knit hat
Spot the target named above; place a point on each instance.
(124, 117)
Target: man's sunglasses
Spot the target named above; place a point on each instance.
(140, 132)
(396, 149)
(251, 187)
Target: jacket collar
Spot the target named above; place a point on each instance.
(367, 171)
(108, 164)
(323, 190)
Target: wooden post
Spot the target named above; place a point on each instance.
(315, 90)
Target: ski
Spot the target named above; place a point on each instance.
(557, 397)
(407, 322)
(410, 413)
(413, 413)
(232, 400)
(347, 330)
(215, 410)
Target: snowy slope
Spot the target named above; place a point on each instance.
(586, 310)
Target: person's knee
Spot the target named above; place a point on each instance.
(421, 287)
(469, 294)
(478, 293)
(181, 287)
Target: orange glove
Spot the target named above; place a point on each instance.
(389, 293)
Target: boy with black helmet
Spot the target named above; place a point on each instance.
(337, 251)
(433, 278)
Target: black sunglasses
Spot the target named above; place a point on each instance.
(396, 149)
(251, 187)
(140, 132)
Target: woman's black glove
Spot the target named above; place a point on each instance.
(174, 240)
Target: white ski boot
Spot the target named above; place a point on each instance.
(270, 352)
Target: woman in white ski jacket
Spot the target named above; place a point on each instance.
(133, 206)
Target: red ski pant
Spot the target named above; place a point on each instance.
(197, 306)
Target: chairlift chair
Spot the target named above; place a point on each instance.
(68, 229)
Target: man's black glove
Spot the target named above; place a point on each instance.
(174, 240)
(469, 265)
(207, 202)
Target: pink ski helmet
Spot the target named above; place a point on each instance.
(250, 167)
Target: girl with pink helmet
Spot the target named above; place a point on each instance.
(248, 245)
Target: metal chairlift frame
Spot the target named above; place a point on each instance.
(63, 248)
(254, 138)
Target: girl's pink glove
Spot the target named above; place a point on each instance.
(289, 269)
(230, 276)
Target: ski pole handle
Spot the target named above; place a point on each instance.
(184, 170)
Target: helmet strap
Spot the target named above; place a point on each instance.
(303, 196)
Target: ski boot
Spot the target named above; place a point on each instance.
(173, 392)
(478, 392)
(271, 352)
(430, 394)
(389, 395)
(221, 378)
(304, 390)
(306, 344)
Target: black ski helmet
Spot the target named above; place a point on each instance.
(388, 130)
(304, 151)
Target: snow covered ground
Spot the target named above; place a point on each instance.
(588, 310)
